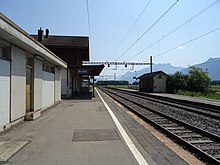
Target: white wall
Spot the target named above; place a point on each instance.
(160, 83)
(37, 84)
(4, 92)
(57, 84)
(65, 90)
(47, 89)
(18, 83)
(63, 82)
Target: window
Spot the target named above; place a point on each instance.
(160, 76)
(48, 68)
(3, 52)
(29, 62)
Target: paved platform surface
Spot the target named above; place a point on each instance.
(82, 132)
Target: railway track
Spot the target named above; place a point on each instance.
(203, 143)
(203, 106)
(202, 118)
(203, 109)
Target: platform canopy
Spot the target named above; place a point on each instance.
(90, 70)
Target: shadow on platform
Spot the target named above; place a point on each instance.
(79, 96)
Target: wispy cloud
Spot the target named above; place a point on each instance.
(180, 47)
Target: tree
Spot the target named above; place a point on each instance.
(198, 81)
(177, 81)
(135, 83)
(195, 81)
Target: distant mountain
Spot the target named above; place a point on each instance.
(211, 66)
(167, 68)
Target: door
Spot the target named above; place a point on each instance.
(47, 89)
(29, 89)
(4, 92)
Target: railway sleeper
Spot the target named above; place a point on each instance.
(154, 116)
(190, 136)
(170, 125)
(162, 122)
(215, 147)
(217, 156)
(189, 139)
(186, 133)
(175, 128)
(200, 141)
(212, 151)
(181, 131)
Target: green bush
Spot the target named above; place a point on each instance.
(211, 94)
(195, 81)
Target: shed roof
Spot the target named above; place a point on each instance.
(148, 75)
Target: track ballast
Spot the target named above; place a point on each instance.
(195, 130)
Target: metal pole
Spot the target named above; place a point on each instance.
(151, 64)
(93, 87)
(114, 79)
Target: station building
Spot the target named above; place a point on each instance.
(30, 75)
(153, 82)
(73, 50)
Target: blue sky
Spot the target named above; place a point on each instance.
(110, 20)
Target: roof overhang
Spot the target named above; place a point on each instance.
(92, 70)
(81, 43)
(10, 32)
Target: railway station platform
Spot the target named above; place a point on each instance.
(88, 132)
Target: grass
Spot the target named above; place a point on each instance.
(215, 87)
(213, 93)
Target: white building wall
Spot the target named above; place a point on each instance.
(47, 89)
(13, 74)
(63, 82)
(57, 84)
(65, 89)
(18, 83)
(4, 93)
(160, 83)
(37, 84)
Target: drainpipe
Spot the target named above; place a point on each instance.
(151, 64)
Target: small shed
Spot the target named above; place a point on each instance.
(153, 82)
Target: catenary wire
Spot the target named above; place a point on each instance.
(177, 28)
(131, 28)
(148, 29)
(183, 44)
(89, 26)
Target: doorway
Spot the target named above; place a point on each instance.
(29, 89)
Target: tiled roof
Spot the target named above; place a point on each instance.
(67, 41)
(10, 32)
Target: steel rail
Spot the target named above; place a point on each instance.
(178, 104)
(190, 146)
